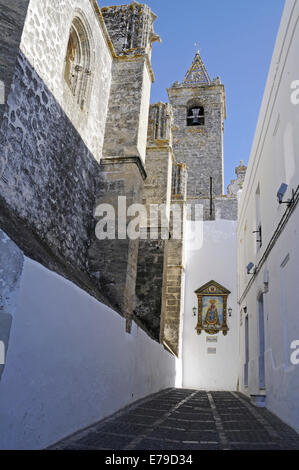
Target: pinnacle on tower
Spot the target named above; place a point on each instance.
(197, 74)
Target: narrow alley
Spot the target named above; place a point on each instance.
(180, 419)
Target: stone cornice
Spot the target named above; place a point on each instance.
(125, 160)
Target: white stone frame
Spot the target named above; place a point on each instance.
(83, 67)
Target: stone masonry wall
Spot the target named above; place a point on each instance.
(157, 191)
(113, 262)
(12, 19)
(130, 87)
(223, 207)
(122, 166)
(149, 285)
(174, 269)
(51, 148)
(130, 28)
(49, 177)
(160, 275)
(173, 296)
(44, 44)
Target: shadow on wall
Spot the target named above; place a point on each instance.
(12, 18)
(48, 179)
(149, 285)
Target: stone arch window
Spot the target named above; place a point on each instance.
(195, 114)
(79, 62)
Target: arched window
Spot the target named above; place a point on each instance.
(78, 62)
(195, 115)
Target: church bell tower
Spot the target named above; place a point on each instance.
(199, 113)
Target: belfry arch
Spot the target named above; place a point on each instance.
(195, 113)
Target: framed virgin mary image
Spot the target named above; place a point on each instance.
(212, 308)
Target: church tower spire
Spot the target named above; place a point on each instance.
(197, 74)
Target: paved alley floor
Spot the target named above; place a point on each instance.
(180, 419)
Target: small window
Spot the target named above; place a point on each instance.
(196, 116)
(77, 72)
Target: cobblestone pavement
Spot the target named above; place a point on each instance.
(180, 419)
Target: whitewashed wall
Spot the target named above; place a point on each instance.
(274, 160)
(210, 256)
(70, 363)
(281, 329)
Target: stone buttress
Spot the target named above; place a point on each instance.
(159, 286)
(123, 161)
(174, 272)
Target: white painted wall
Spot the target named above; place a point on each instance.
(211, 255)
(281, 328)
(70, 363)
(274, 159)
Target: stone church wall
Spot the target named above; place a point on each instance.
(157, 191)
(50, 147)
(56, 164)
(12, 18)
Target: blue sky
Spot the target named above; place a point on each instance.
(236, 41)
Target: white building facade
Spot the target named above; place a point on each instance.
(268, 251)
(210, 362)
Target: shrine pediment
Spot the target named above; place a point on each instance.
(212, 288)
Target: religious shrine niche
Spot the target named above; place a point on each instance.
(212, 308)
